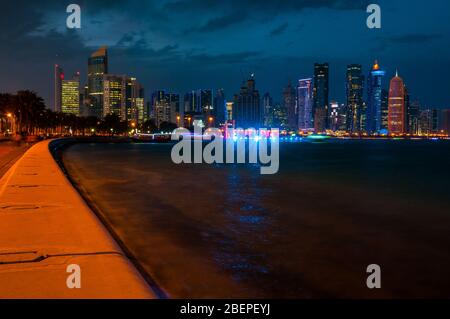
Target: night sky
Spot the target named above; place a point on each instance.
(180, 45)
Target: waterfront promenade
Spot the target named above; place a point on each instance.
(45, 226)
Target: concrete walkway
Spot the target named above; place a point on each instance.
(45, 226)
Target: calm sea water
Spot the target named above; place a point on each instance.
(309, 231)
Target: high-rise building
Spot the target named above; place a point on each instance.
(320, 96)
(267, 106)
(134, 101)
(220, 110)
(445, 124)
(70, 95)
(384, 111)
(97, 67)
(247, 111)
(114, 95)
(305, 104)
(374, 99)
(290, 106)
(334, 118)
(413, 113)
(59, 77)
(396, 121)
(166, 106)
(355, 88)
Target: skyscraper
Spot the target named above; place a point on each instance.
(289, 105)
(355, 88)
(70, 95)
(305, 104)
(267, 106)
(320, 96)
(134, 100)
(384, 110)
(374, 99)
(97, 67)
(396, 121)
(114, 95)
(220, 110)
(166, 107)
(247, 106)
(59, 77)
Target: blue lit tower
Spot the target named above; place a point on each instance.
(374, 99)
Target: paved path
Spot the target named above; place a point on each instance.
(45, 226)
(9, 153)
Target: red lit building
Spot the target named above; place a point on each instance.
(396, 113)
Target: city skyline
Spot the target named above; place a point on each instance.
(221, 56)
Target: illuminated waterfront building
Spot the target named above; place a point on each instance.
(135, 104)
(247, 110)
(165, 108)
(114, 95)
(396, 120)
(289, 105)
(355, 88)
(320, 96)
(413, 113)
(267, 106)
(384, 110)
(445, 124)
(305, 104)
(58, 78)
(97, 68)
(374, 99)
(70, 95)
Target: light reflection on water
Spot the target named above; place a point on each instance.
(309, 231)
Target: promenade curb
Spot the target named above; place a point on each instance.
(45, 226)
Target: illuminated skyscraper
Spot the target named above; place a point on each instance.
(305, 104)
(134, 101)
(374, 99)
(165, 107)
(289, 105)
(59, 77)
(384, 110)
(97, 67)
(247, 112)
(355, 88)
(114, 95)
(267, 106)
(320, 96)
(70, 95)
(396, 121)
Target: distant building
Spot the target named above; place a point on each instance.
(70, 95)
(97, 67)
(429, 122)
(58, 78)
(396, 121)
(114, 95)
(384, 110)
(267, 106)
(220, 110)
(334, 117)
(320, 96)
(305, 104)
(166, 106)
(134, 101)
(413, 113)
(445, 124)
(374, 112)
(355, 88)
(289, 105)
(247, 110)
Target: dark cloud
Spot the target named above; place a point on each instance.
(279, 30)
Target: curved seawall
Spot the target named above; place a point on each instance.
(45, 226)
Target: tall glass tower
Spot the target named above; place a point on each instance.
(305, 104)
(97, 67)
(374, 99)
(320, 96)
(355, 88)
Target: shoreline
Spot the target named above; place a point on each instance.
(56, 233)
(57, 151)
